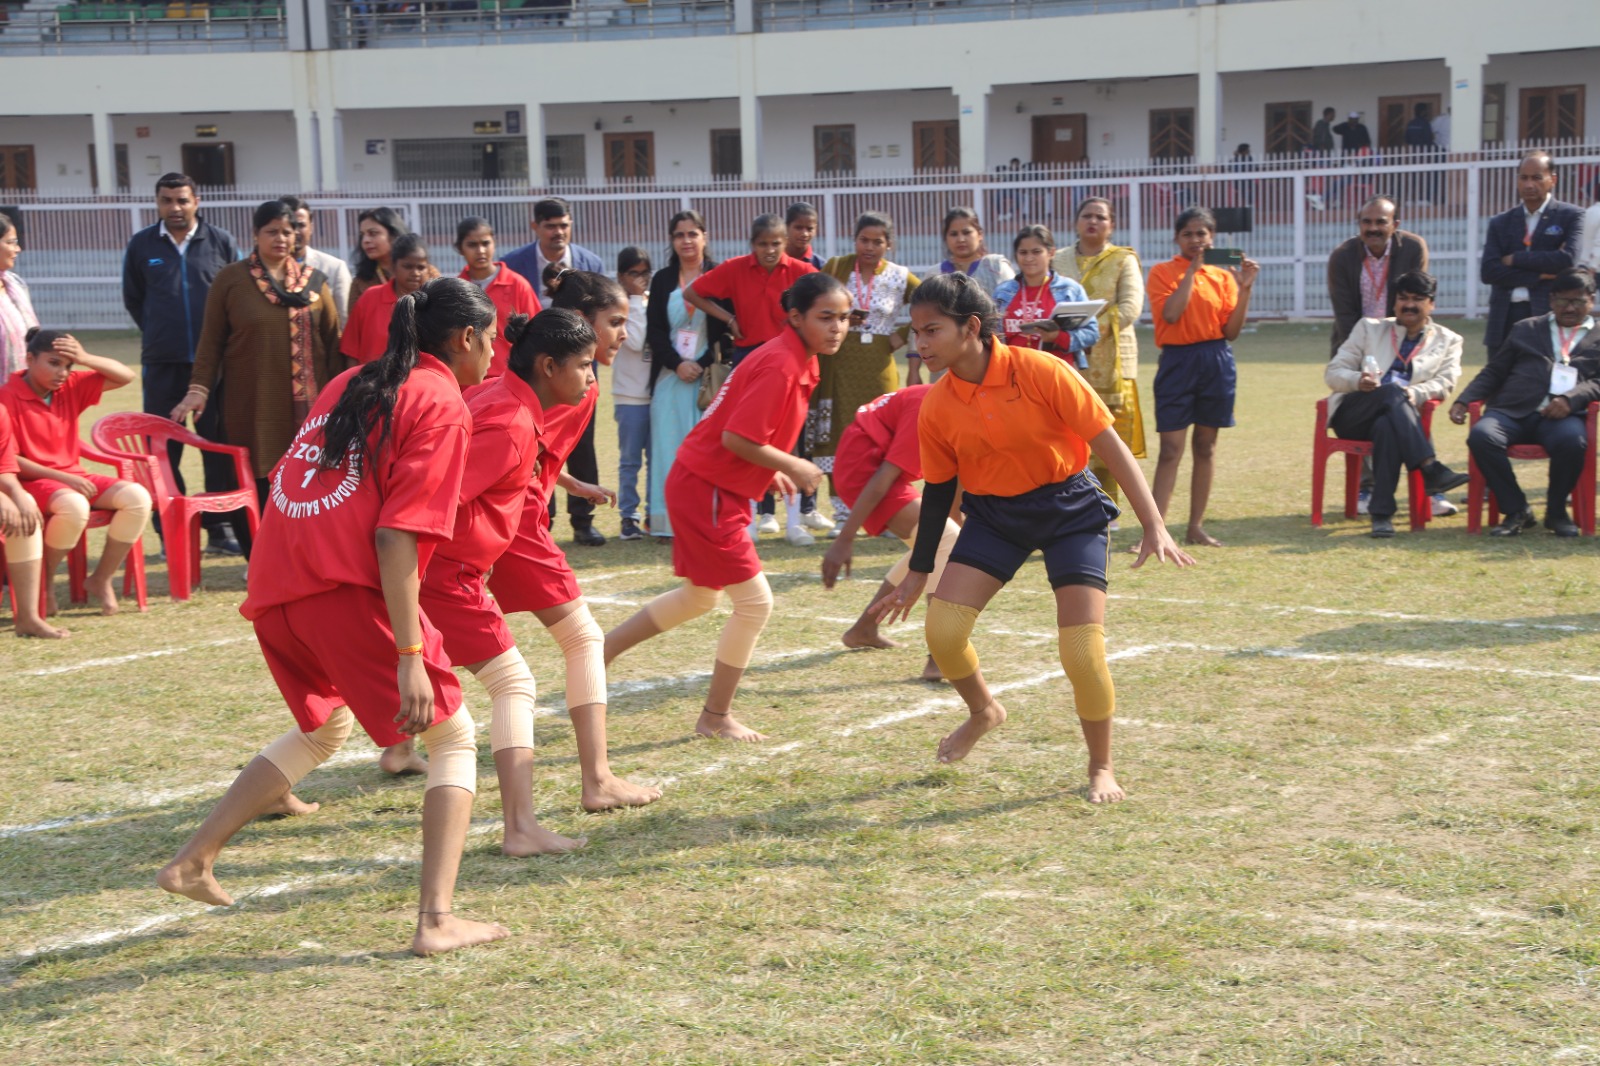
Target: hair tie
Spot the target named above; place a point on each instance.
(419, 299)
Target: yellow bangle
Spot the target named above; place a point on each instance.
(415, 649)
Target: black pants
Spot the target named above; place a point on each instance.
(1566, 439)
(585, 466)
(1386, 418)
(164, 386)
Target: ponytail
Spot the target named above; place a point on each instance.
(808, 289)
(584, 291)
(558, 333)
(423, 321)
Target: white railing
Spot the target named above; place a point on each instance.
(73, 247)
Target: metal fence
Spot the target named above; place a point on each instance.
(1289, 219)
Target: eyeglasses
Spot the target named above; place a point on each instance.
(1573, 302)
(641, 272)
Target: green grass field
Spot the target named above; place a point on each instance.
(1361, 825)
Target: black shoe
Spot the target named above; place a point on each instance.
(588, 536)
(630, 530)
(1382, 526)
(1439, 479)
(1560, 524)
(221, 541)
(1514, 524)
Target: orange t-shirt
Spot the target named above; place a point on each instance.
(1028, 423)
(1212, 299)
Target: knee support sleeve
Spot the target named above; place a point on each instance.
(512, 692)
(947, 544)
(132, 504)
(25, 549)
(296, 754)
(1083, 657)
(949, 629)
(752, 606)
(583, 645)
(453, 752)
(684, 603)
(68, 517)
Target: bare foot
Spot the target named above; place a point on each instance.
(1199, 536)
(52, 604)
(725, 727)
(42, 629)
(955, 747)
(102, 593)
(858, 636)
(291, 806)
(614, 792)
(402, 758)
(539, 841)
(1103, 787)
(438, 933)
(194, 881)
(931, 671)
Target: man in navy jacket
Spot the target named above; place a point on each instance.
(167, 273)
(1526, 247)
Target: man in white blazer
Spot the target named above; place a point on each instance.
(336, 270)
(1384, 371)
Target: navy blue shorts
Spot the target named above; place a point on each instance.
(1066, 521)
(1195, 385)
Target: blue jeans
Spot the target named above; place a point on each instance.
(633, 442)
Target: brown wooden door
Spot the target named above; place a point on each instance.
(1288, 127)
(16, 167)
(1552, 114)
(1060, 139)
(938, 144)
(630, 156)
(1172, 133)
(210, 164)
(1395, 113)
(835, 148)
(727, 154)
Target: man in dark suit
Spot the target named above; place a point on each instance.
(1535, 391)
(1526, 248)
(1362, 271)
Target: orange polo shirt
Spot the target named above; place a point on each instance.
(1027, 423)
(1211, 301)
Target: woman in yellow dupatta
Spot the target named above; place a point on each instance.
(1110, 273)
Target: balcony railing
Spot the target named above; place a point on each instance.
(419, 23)
(778, 15)
(119, 28)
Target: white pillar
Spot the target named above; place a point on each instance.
(1208, 102)
(330, 136)
(105, 154)
(972, 108)
(1466, 102)
(749, 136)
(307, 148)
(533, 129)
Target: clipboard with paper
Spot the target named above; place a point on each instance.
(1072, 314)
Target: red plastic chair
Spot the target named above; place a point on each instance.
(133, 577)
(144, 437)
(1325, 446)
(1582, 492)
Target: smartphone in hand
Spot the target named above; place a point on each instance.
(1223, 257)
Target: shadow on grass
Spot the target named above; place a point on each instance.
(1423, 638)
(1293, 534)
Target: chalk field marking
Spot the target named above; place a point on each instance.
(120, 660)
(1341, 612)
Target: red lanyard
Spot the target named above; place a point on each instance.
(1406, 359)
(1379, 277)
(1566, 340)
(1533, 224)
(864, 300)
(1034, 303)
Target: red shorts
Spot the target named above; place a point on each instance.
(533, 574)
(455, 600)
(41, 489)
(336, 649)
(711, 544)
(851, 472)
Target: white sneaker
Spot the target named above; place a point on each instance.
(1443, 508)
(816, 520)
(800, 538)
(1363, 500)
(768, 524)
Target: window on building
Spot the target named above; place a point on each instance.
(436, 159)
(1494, 114)
(727, 154)
(630, 156)
(122, 168)
(16, 167)
(1172, 133)
(835, 149)
(1288, 127)
(1396, 112)
(1553, 114)
(938, 145)
(564, 159)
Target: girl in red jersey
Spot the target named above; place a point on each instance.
(367, 332)
(550, 368)
(739, 450)
(22, 537)
(45, 400)
(533, 574)
(357, 506)
(510, 291)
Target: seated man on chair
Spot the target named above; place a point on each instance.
(1535, 390)
(1384, 371)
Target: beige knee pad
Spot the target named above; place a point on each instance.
(453, 752)
(949, 631)
(947, 543)
(28, 548)
(68, 517)
(132, 503)
(583, 645)
(296, 754)
(1083, 657)
(752, 606)
(671, 609)
(512, 692)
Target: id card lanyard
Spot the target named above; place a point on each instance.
(864, 301)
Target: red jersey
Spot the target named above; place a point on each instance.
(317, 530)
(563, 428)
(764, 400)
(511, 295)
(47, 431)
(890, 423)
(757, 295)
(1030, 304)
(367, 334)
(507, 424)
(8, 444)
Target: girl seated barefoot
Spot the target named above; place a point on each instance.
(45, 400)
(22, 537)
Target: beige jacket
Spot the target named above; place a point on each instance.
(1129, 302)
(1435, 366)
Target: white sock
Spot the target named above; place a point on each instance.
(792, 503)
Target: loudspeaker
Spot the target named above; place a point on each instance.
(1234, 219)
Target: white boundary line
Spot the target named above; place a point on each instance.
(1342, 612)
(119, 660)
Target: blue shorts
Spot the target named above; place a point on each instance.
(1195, 385)
(1066, 521)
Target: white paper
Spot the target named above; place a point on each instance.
(1563, 379)
(686, 342)
(1086, 308)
